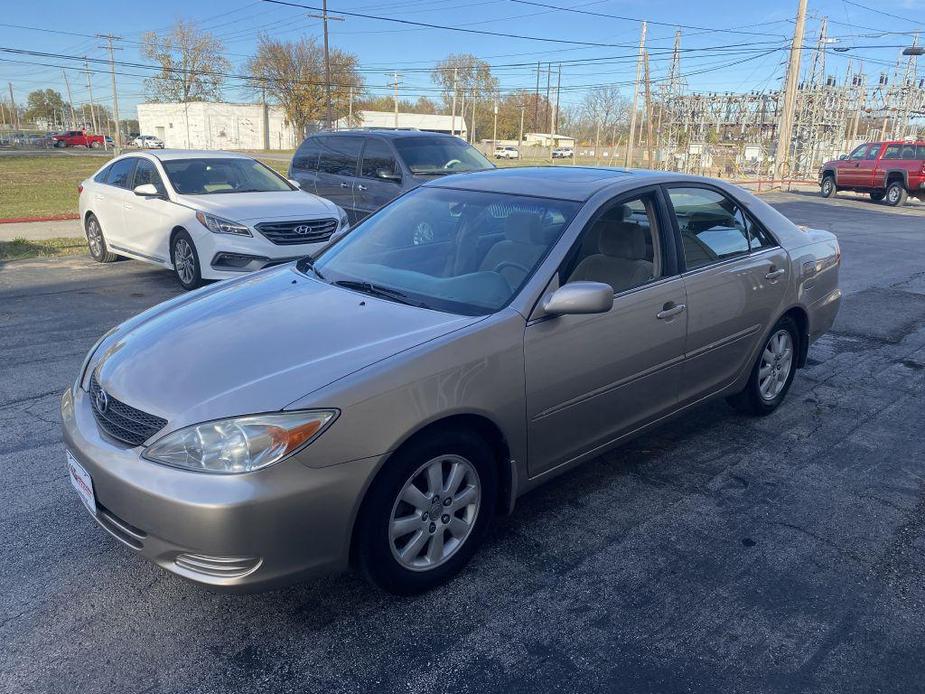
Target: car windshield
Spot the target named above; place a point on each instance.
(436, 156)
(222, 175)
(458, 251)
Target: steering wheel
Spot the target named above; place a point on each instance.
(451, 163)
(507, 263)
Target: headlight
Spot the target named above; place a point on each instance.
(239, 444)
(217, 225)
(344, 222)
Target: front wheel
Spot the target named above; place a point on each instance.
(186, 260)
(427, 512)
(773, 371)
(896, 194)
(827, 188)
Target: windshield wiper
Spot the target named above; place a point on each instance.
(308, 263)
(380, 291)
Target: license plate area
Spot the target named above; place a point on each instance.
(82, 482)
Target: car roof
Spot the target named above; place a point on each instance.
(389, 133)
(168, 154)
(576, 183)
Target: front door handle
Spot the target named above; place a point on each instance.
(360, 186)
(670, 310)
(344, 185)
(773, 274)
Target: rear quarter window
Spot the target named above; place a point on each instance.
(102, 175)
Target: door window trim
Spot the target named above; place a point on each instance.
(681, 260)
(362, 160)
(134, 161)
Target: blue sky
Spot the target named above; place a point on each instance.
(735, 47)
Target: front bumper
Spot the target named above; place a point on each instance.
(232, 532)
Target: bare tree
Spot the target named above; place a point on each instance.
(192, 64)
(603, 106)
(292, 73)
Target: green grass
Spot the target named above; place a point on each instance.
(39, 186)
(19, 249)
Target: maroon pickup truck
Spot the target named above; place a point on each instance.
(77, 138)
(885, 170)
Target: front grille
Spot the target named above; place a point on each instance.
(309, 231)
(121, 421)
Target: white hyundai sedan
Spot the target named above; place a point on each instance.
(205, 215)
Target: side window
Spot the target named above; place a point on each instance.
(377, 158)
(120, 173)
(873, 151)
(146, 172)
(306, 158)
(858, 152)
(712, 226)
(619, 248)
(908, 152)
(758, 237)
(892, 152)
(102, 175)
(920, 152)
(339, 155)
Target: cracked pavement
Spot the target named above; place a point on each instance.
(719, 553)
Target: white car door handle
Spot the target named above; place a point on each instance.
(344, 185)
(98, 196)
(774, 274)
(670, 311)
(360, 186)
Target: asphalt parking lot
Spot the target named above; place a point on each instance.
(718, 554)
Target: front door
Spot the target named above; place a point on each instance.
(847, 171)
(735, 277)
(380, 178)
(147, 219)
(867, 171)
(337, 169)
(592, 378)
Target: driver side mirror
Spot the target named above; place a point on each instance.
(147, 190)
(388, 175)
(580, 298)
(843, 157)
(295, 183)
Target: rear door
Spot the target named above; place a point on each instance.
(735, 278)
(304, 165)
(338, 160)
(110, 199)
(380, 177)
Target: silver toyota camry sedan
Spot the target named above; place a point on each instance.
(378, 405)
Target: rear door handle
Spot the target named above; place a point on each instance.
(670, 310)
(344, 185)
(360, 186)
(774, 274)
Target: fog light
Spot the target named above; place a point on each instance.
(216, 567)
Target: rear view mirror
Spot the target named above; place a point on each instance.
(843, 157)
(146, 190)
(580, 297)
(387, 175)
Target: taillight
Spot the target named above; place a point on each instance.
(80, 188)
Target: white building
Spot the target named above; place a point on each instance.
(548, 140)
(208, 125)
(427, 122)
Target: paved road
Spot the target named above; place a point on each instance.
(721, 554)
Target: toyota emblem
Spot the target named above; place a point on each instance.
(302, 229)
(102, 401)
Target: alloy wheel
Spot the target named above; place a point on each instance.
(893, 194)
(95, 237)
(435, 512)
(184, 260)
(776, 364)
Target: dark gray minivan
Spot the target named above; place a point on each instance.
(362, 170)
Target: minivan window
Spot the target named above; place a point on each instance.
(339, 154)
(437, 156)
(378, 158)
(120, 173)
(306, 158)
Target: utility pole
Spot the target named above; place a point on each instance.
(395, 84)
(628, 159)
(70, 99)
(13, 110)
(455, 88)
(117, 149)
(520, 138)
(350, 109)
(648, 113)
(494, 135)
(785, 124)
(96, 127)
(324, 17)
(536, 99)
(555, 115)
(547, 112)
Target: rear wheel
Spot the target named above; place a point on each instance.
(896, 194)
(427, 512)
(878, 195)
(185, 260)
(773, 371)
(99, 251)
(827, 187)
(95, 144)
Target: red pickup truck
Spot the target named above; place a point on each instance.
(890, 170)
(77, 138)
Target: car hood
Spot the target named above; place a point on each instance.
(262, 207)
(256, 345)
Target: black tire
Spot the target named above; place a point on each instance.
(96, 242)
(374, 549)
(828, 188)
(878, 195)
(95, 145)
(189, 273)
(60, 144)
(896, 194)
(752, 400)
